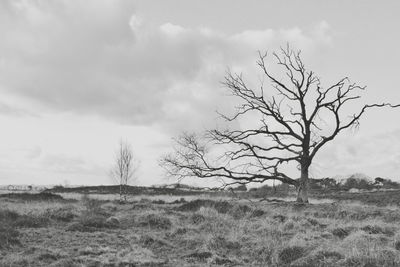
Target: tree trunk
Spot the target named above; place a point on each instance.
(302, 190)
(120, 192)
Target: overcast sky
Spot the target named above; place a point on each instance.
(76, 76)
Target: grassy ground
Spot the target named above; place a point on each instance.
(49, 231)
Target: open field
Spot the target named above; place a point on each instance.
(48, 230)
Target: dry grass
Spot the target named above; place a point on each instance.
(216, 232)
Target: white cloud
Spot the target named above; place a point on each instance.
(372, 154)
(172, 29)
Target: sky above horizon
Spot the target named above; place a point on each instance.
(78, 76)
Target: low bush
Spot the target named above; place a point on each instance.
(8, 236)
(8, 217)
(93, 220)
(32, 221)
(154, 221)
(34, 197)
(239, 211)
(64, 214)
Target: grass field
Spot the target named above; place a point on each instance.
(189, 231)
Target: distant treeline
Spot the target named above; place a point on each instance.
(328, 185)
(135, 190)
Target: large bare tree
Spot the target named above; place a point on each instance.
(292, 121)
(125, 168)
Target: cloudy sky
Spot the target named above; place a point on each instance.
(77, 76)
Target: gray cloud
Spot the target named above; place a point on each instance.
(92, 57)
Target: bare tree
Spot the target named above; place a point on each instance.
(294, 119)
(125, 168)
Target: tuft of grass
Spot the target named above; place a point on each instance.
(152, 242)
(257, 213)
(340, 232)
(197, 218)
(397, 245)
(199, 255)
(376, 229)
(290, 254)
(279, 218)
(220, 243)
(319, 258)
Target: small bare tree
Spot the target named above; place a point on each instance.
(125, 168)
(291, 122)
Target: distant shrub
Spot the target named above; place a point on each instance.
(195, 205)
(179, 201)
(159, 201)
(91, 205)
(241, 188)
